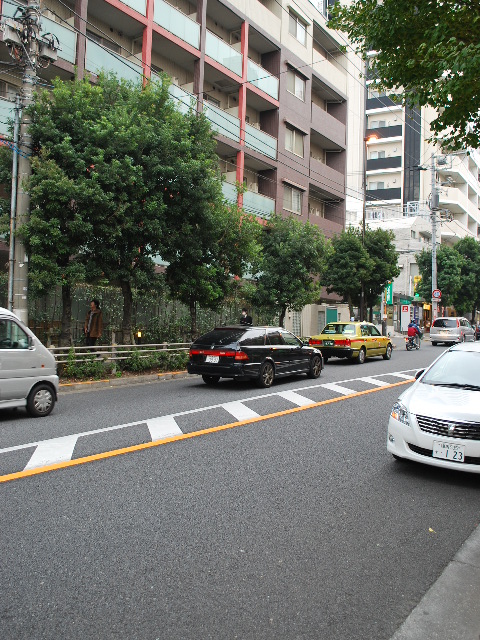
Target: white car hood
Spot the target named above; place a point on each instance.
(446, 403)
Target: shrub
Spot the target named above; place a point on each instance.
(87, 368)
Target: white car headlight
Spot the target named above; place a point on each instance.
(400, 413)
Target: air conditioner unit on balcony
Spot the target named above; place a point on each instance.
(253, 187)
(255, 124)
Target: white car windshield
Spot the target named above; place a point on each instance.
(456, 369)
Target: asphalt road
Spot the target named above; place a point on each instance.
(298, 526)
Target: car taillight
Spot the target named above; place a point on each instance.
(458, 322)
(241, 355)
(312, 341)
(343, 343)
(211, 352)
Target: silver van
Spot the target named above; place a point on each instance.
(451, 330)
(28, 371)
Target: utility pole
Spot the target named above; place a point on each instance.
(13, 204)
(434, 207)
(21, 34)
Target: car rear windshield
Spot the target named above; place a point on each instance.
(445, 323)
(221, 336)
(347, 329)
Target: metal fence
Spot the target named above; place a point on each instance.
(115, 353)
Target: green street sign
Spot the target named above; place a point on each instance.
(389, 293)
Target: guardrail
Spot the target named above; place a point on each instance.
(115, 352)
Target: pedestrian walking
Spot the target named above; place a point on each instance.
(93, 324)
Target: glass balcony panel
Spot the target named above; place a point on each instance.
(260, 141)
(138, 5)
(222, 52)
(229, 192)
(177, 23)
(66, 37)
(182, 99)
(257, 204)
(97, 58)
(7, 112)
(261, 79)
(222, 122)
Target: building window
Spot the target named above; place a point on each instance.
(413, 233)
(211, 100)
(375, 155)
(296, 84)
(377, 124)
(294, 140)
(297, 323)
(292, 199)
(373, 186)
(298, 28)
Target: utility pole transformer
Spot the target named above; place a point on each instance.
(21, 34)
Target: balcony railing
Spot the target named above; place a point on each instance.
(182, 99)
(393, 162)
(262, 79)
(255, 203)
(7, 112)
(222, 122)
(177, 23)
(97, 58)
(138, 5)
(260, 141)
(223, 53)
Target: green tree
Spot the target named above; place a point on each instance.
(207, 241)
(426, 50)
(467, 299)
(95, 184)
(449, 273)
(292, 260)
(380, 247)
(348, 266)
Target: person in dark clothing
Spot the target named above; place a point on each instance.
(414, 330)
(245, 318)
(93, 324)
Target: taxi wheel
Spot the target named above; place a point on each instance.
(360, 359)
(315, 367)
(267, 375)
(211, 379)
(388, 353)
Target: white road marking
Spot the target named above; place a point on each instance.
(345, 391)
(239, 411)
(52, 451)
(163, 427)
(375, 382)
(61, 449)
(296, 398)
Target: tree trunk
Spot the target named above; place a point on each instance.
(127, 312)
(65, 339)
(281, 320)
(193, 318)
(350, 307)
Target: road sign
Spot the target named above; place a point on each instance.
(436, 294)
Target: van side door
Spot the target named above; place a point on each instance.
(18, 362)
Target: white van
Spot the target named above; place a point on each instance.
(28, 371)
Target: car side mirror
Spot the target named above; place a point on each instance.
(419, 373)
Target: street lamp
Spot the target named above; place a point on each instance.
(366, 140)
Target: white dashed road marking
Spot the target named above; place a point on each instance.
(163, 427)
(52, 451)
(345, 391)
(296, 398)
(239, 411)
(375, 382)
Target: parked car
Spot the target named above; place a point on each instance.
(28, 371)
(352, 340)
(477, 332)
(259, 353)
(436, 421)
(451, 330)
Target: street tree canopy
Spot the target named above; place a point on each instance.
(428, 51)
(449, 273)
(293, 258)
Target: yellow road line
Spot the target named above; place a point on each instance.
(185, 436)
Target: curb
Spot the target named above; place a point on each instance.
(68, 387)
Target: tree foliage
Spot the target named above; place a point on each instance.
(292, 260)
(379, 244)
(427, 50)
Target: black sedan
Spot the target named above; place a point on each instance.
(259, 353)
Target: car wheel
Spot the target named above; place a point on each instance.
(434, 344)
(41, 401)
(360, 359)
(211, 380)
(315, 367)
(267, 375)
(388, 352)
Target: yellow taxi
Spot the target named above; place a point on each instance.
(353, 340)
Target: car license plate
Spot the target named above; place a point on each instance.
(213, 359)
(329, 343)
(448, 451)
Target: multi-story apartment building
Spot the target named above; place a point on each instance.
(268, 74)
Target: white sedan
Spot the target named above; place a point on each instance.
(436, 421)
